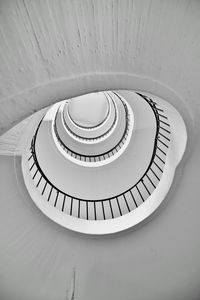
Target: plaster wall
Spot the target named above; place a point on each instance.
(50, 50)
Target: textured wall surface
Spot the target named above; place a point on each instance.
(52, 49)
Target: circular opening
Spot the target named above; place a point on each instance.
(89, 111)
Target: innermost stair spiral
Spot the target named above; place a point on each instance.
(89, 111)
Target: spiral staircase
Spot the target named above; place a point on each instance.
(101, 163)
(99, 177)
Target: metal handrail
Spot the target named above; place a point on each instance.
(155, 155)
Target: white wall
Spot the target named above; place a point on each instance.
(55, 49)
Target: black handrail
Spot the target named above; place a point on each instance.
(156, 148)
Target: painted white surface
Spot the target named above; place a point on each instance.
(89, 110)
(51, 50)
(116, 131)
